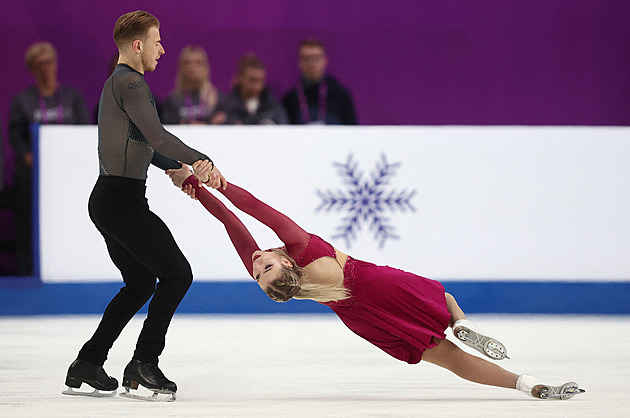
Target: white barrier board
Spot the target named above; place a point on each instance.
(464, 203)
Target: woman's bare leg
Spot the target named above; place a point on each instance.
(469, 367)
(454, 309)
(470, 335)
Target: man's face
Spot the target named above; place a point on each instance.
(312, 61)
(251, 83)
(151, 49)
(44, 67)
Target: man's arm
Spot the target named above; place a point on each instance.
(136, 100)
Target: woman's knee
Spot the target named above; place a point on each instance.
(442, 354)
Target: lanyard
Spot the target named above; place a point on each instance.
(191, 111)
(44, 110)
(321, 95)
(195, 112)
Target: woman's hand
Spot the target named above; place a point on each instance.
(190, 191)
(209, 174)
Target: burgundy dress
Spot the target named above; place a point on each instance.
(401, 313)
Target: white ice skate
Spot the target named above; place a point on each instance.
(466, 332)
(533, 386)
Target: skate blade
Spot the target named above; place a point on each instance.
(151, 398)
(566, 395)
(94, 394)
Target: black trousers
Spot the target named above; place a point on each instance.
(143, 249)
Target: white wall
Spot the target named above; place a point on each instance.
(505, 203)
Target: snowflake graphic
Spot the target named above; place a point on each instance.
(366, 200)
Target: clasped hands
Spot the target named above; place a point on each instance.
(205, 172)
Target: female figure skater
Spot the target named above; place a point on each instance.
(401, 313)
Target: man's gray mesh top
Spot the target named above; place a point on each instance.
(130, 134)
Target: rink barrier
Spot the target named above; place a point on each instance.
(29, 296)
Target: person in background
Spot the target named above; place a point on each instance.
(6, 203)
(195, 100)
(318, 98)
(46, 102)
(113, 61)
(251, 102)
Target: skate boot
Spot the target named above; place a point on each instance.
(532, 386)
(466, 332)
(149, 376)
(82, 371)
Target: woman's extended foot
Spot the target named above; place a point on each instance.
(466, 332)
(533, 386)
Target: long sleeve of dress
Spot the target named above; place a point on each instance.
(292, 235)
(243, 242)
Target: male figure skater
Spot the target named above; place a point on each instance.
(141, 246)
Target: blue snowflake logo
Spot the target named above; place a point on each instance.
(366, 200)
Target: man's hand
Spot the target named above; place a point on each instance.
(179, 175)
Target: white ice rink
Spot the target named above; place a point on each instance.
(312, 366)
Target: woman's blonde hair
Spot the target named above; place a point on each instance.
(293, 283)
(207, 92)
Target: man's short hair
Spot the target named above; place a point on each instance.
(36, 50)
(132, 26)
(248, 61)
(312, 42)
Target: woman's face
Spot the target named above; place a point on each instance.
(44, 67)
(193, 67)
(267, 267)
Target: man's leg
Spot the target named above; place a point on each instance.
(139, 286)
(148, 240)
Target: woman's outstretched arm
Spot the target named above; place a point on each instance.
(294, 237)
(243, 242)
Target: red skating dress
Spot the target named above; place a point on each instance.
(401, 313)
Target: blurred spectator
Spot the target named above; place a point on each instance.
(251, 102)
(195, 100)
(46, 102)
(113, 61)
(7, 248)
(318, 98)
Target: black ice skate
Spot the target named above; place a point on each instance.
(465, 331)
(149, 376)
(82, 371)
(533, 386)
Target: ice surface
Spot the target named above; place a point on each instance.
(313, 366)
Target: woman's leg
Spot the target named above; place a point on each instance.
(454, 309)
(466, 332)
(469, 367)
